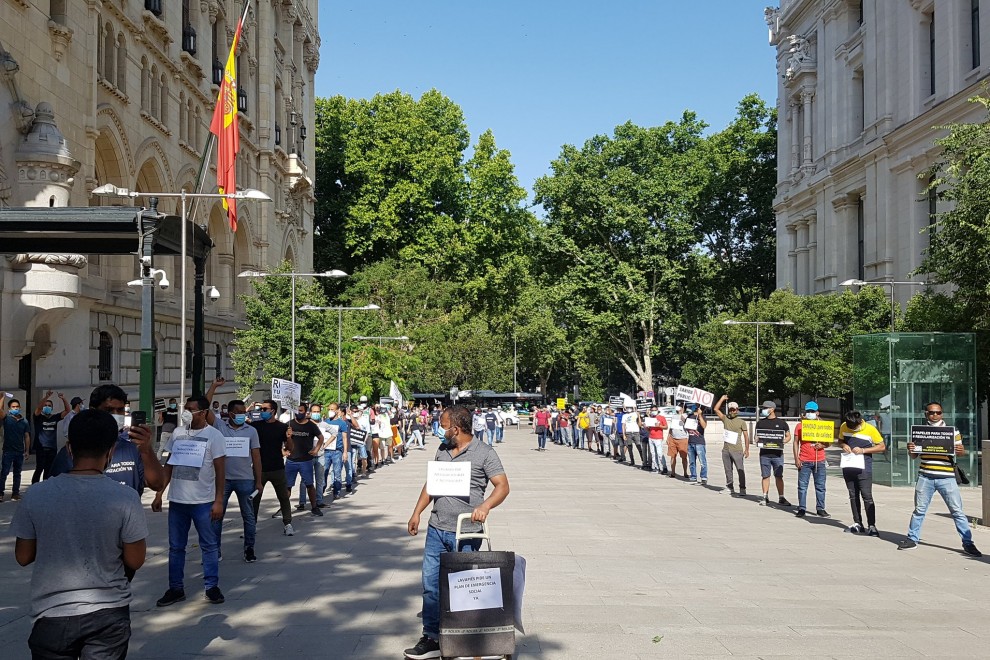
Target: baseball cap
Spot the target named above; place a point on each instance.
(76, 400)
(733, 404)
(811, 405)
(769, 405)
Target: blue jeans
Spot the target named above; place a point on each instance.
(437, 541)
(11, 460)
(696, 452)
(490, 434)
(319, 480)
(243, 488)
(949, 490)
(302, 469)
(500, 434)
(541, 438)
(804, 476)
(436, 429)
(479, 435)
(351, 465)
(335, 462)
(180, 516)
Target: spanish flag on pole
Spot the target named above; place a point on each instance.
(224, 126)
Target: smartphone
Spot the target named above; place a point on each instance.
(139, 417)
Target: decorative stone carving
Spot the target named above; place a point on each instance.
(252, 64)
(61, 38)
(74, 260)
(45, 165)
(312, 57)
(772, 17)
(800, 58)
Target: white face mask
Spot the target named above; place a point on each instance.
(811, 415)
(331, 414)
(120, 421)
(185, 418)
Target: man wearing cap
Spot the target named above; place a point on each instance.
(735, 445)
(772, 460)
(809, 459)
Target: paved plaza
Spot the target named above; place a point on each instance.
(621, 564)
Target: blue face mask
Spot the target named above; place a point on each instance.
(47, 410)
(16, 412)
(266, 415)
(240, 419)
(316, 417)
(764, 413)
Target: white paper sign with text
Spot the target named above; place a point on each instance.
(448, 479)
(480, 589)
(190, 453)
(237, 447)
(684, 393)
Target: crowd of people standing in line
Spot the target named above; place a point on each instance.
(82, 520)
(662, 441)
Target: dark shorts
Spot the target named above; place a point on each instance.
(772, 464)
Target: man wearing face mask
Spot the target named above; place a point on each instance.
(46, 435)
(459, 446)
(735, 445)
(63, 427)
(337, 449)
(16, 444)
(319, 460)
(242, 471)
(86, 537)
(305, 437)
(772, 459)
(809, 458)
(275, 444)
(169, 420)
(196, 477)
(134, 462)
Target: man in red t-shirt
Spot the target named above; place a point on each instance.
(542, 420)
(809, 459)
(656, 426)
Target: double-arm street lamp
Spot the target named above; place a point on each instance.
(892, 285)
(293, 276)
(340, 316)
(757, 324)
(147, 372)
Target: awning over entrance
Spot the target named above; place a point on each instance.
(96, 230)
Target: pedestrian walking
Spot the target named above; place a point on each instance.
(459, 446)
(274, 443)
(16, 444)
(242, 472)
(772, 458)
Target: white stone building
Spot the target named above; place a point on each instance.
(122, 92)
(862, 84)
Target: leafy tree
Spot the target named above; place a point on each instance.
(264, 348)
(960, 242)
(734, 211)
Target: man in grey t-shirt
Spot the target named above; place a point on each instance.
(459, 446)
(85, 534)
(242, 471)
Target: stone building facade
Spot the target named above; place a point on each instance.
(122, 92)
(862, 84)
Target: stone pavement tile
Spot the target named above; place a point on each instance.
(834, 643)
(565, 646)
(714, 613)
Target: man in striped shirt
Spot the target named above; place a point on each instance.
(937, 474)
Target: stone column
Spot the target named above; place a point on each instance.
(223, 281)
(806, 116)
(795, 141)
(801, 276)
(791, 257)
(813, 266)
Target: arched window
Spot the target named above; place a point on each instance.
(182, 116)
(163, 109)
(109, 52)
(106, 356)
(191, 127)
(56, 11)
(121, 64)
(99, 47)
(218, 361)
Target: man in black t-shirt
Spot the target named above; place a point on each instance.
(275, 443)
(776, 433)
(305, 435)
(46, 435)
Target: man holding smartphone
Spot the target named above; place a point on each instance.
(133, 462)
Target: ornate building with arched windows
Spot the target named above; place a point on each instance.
(122, 92)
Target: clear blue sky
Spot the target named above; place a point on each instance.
(543, 73)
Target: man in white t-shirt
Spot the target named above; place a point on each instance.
(195, 477)
(630, 432)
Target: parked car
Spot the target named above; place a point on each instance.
(748, 412)
(511, 415)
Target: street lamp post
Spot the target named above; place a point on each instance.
(757, 324)
(891, 284)
(380, 339)
(340, 317)
(147, 375)
(292, 276)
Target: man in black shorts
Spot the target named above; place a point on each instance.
(772, 456)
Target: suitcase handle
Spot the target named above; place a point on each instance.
(464, 536)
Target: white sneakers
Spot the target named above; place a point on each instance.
(288, 531)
